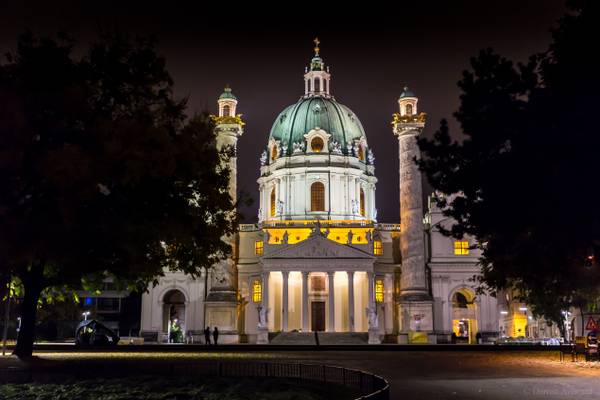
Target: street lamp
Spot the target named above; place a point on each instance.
(19, 327)
(85, 315)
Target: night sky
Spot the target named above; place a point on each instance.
(261, 53)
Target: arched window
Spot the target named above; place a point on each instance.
(226, 111)
(273, 205)
(409, 109)
(460, 300)
(361, 153)
(317, 84)
(362, 202)
(317, 145)
(274, 152)
(317, 197)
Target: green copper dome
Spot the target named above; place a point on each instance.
(227, 94)
(311, 112)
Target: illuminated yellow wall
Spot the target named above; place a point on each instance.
(340, 235)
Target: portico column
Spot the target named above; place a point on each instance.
(265, 294)
(371, 285)
(331, 325)
(304, 301)
(285, 300)
(351, 301)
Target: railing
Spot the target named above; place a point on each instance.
(369, 386)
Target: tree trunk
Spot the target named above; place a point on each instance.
(33, 288)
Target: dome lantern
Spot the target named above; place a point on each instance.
(317, 77)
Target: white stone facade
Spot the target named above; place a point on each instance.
(318, 259)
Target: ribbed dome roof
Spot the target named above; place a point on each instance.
(311, 112)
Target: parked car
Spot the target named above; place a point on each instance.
(93, 333)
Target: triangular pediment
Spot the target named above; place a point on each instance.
(316, 246)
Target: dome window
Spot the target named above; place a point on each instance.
(317, 144)
(362, 202)
(317, 197)
(274, 153)
(317, 85)
(273, 205)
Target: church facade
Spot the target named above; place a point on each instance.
(318, 259)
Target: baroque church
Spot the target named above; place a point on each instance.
(318, 260)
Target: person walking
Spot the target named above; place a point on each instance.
(207, 335)
(215, 335)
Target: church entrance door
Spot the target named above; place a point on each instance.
(317, 316)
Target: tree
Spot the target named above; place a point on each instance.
(101, 172)
(523, 178)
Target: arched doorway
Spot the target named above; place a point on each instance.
(174, 311)
(464, 316)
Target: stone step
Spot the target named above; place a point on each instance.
(325, 338)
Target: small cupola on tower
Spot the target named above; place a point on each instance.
(317, 78)
(408, 103)
(227, 103)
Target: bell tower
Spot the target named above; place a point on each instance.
(317, 77)
(416, 305)
(221, 304)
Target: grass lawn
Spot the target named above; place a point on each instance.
(185, 388)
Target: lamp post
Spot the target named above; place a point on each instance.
(85, 315)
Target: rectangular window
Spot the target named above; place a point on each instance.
(257, 291)
(258, 247)
(377, 247)
(379, 290)
(461, 248)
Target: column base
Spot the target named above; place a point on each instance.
(263, 336)
(223, 314)
(416, 322)
(374, 337)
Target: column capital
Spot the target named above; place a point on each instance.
(330, 273)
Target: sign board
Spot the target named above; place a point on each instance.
(592, 323)
(417, 337)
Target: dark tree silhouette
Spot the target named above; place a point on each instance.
(523, 178)
(101, 172)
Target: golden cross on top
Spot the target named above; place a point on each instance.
(317, 46)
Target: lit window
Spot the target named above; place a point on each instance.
(461, 248)
(273, 205)
(409, 110)
(317, 144)
(379, 290)
(362, 202)
(258, 247)
(257, 291)
(317, 197)
(274, 152)
(377, 247)
(361, 153)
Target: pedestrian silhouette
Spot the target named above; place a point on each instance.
(207, 335)
(215, 335)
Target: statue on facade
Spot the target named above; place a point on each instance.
(370, 157)
(259, 213)
(279, 207)
(262, 317)
(284, 149)
(263, 158)
(285, 238)
(375, 214)
(372, 317)
(355, 206)
(267, 236)
(350, 149)
(336, 148)
(350, 235)
(298, 147)
(368, 236)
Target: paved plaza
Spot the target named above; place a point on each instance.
(413, 374)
